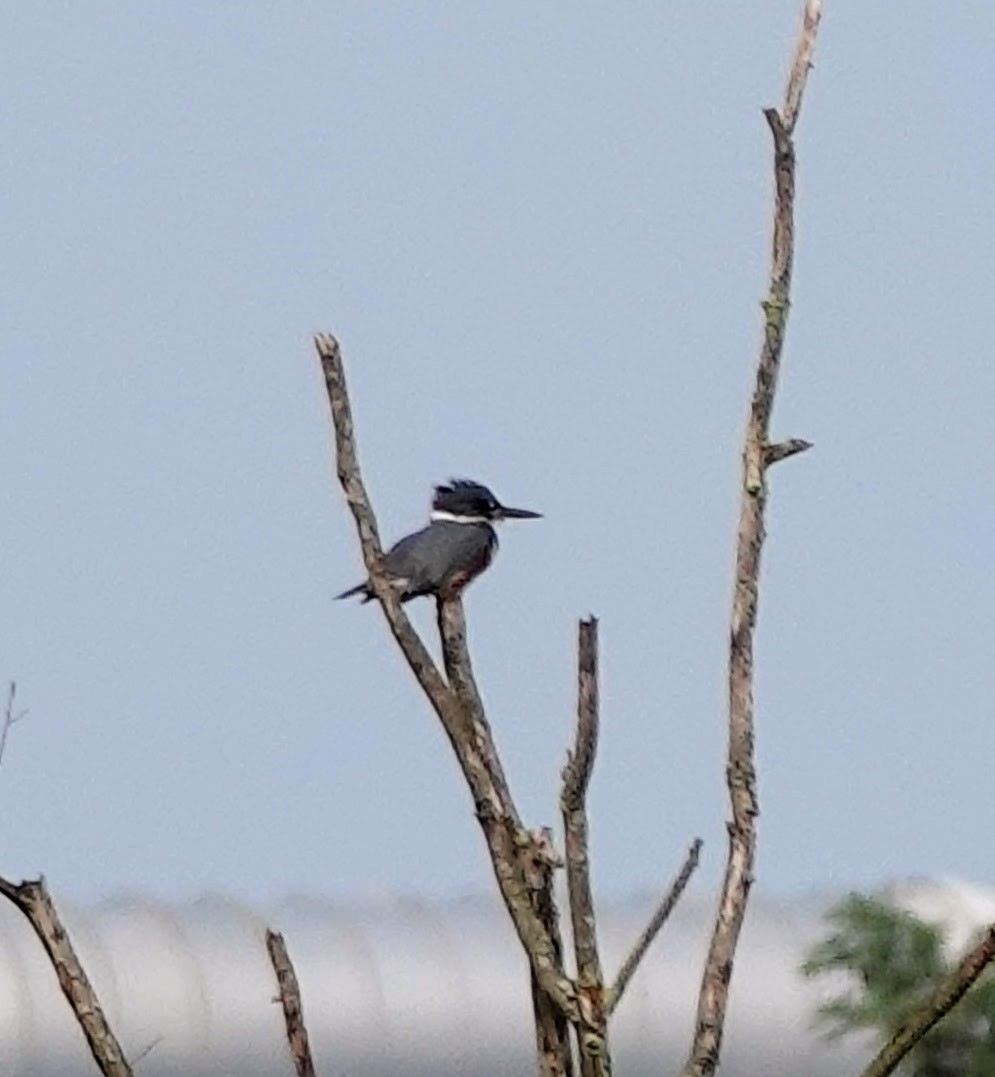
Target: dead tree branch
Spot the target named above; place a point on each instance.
(658, 919)
(943, 1000)
(593, 1046)
(35, 902)
(576, 777)
(757, 457)
(457, 704)
(290, 999)
(451, 620)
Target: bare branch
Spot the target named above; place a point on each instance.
(576, 776)
(802, 65)
(573, 803)
(481, 750)
(290, 999)
(657, 920)
(10, 717)
(33, 899)
(943, 1000)
(740, 769)
(457, 703)
(580, 763)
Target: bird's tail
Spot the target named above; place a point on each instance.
(360, 589)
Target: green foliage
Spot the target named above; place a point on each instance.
(893, 962)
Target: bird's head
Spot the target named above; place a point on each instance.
(465, 501)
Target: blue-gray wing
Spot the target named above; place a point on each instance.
(440, 559)
(405, 560)
(401, 562)
(444, 556)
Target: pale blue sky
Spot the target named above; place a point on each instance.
(541, 233)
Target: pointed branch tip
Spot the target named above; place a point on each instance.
(781, 450)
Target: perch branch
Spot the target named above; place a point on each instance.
(658, 919)
(740, 769)
(943, 1000)
(451, 620)
(290, 999)
(457, 704)
(573, 803)
(35, 902)
(350, 478)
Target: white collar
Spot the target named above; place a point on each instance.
(451, 517)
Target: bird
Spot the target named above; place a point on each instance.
(458, 544)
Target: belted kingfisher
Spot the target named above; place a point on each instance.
(458, 544)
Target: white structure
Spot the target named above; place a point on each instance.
(394, 987)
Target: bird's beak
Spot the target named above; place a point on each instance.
(518, 514)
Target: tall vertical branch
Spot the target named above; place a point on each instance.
(573, 803)
(758, 455)
(573, 800)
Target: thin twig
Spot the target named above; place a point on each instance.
(942, 1001)
(10, 717)
(573, 803)
(741, 770)
(290, 999)
(660, 916)
(146, 1051)
(470, 739)
(35, 902)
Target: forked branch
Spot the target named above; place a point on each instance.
(523, 862)
(758, 455)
